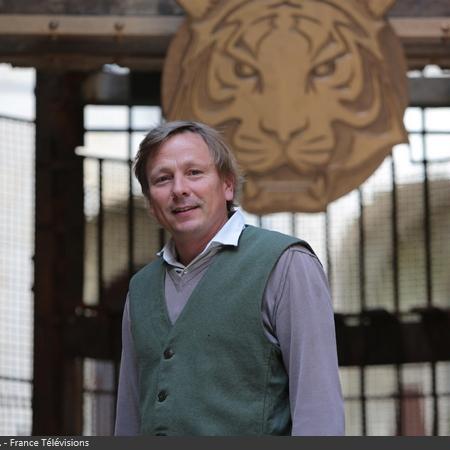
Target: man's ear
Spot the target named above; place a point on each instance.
(228, 188)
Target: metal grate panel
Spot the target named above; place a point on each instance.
(16, 271)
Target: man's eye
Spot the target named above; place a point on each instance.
(161, 179)
(194, 172)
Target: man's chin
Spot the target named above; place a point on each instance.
(185, 228)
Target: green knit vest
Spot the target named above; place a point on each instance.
(214, 372)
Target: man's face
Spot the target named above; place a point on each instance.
(187, 195)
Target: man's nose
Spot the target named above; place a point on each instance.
(180, 186)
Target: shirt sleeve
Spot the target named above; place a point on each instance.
(299, 307)
(127, 412)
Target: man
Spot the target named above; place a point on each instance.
(230, 331)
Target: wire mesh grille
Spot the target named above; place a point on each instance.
(16, 269)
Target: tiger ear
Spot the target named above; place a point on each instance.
(379, 8)
(196, 8)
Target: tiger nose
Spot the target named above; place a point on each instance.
(285, 130)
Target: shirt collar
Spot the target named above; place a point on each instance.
(228, 235)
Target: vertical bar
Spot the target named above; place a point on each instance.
(130, 204)
(396, 295)
(426, 218)
(260, 221)
(362, 256)
(428, 265)
(59, 247)
(100, 227)
(395, 241)
(362, 296)
(293, 224)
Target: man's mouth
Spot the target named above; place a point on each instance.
(183, 209)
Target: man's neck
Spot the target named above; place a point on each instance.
(188, 249)
(185, 254)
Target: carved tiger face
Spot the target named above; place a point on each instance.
(309, 93)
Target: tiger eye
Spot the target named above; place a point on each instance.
(244, 70)
(325, 69)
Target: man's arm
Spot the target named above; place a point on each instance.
(127, 415)
(301, 316)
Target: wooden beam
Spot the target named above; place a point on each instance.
(429, 92)
(401, 8)
(421, 29)
(83, 7)
(420, 8)
(140, 43)
(144, 88)
(58, 26)
(59, 249)
(135, 88)
(87, 26)
(374, 338)
(379, 337)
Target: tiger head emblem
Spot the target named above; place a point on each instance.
(310, 94)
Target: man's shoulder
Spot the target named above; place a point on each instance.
(262, 236)
(298, 256)
(263, 233)
(149, 269)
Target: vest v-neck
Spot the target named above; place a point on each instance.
(215, 260)
(179, 287)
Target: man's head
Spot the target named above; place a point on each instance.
(221, 154)
(189, 177)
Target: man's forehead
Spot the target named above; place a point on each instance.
(182, 148)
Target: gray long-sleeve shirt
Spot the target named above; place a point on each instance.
(297, 316)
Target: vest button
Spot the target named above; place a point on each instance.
(168, 353)
(162, 395)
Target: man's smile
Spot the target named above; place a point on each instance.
(183, 209)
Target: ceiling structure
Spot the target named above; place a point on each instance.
(86, 35)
